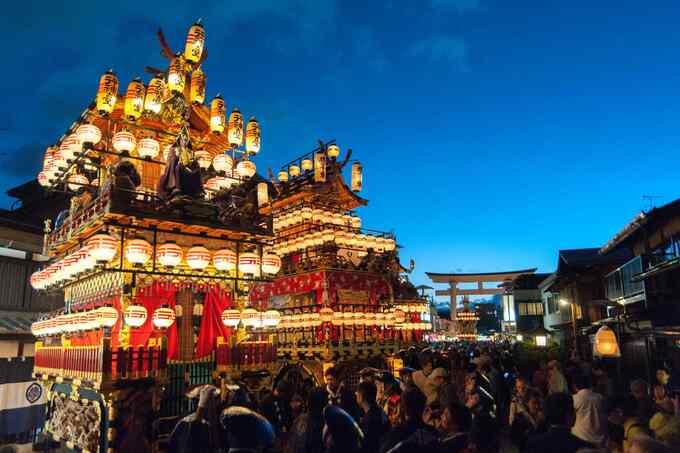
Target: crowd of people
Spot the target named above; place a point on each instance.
(462, 398)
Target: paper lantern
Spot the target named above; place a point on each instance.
(271, 264)
(246, 169)
(107, 93)
(250, 317)
(399, 316)
(294, 171)
(253, 136)
(68, 266)
(193, 47)
(77, 181)
(249, 263)
(148, 148)
(37, 279)
(169, 254)
(197, 87)
(224, 260)
(203, 158)
(217, 112)
(224, 182)
(380, 319)
(107, 316)
(124, 142)
(333, 151)
(163, 317)
(154, 95)
(70, 147)
(326, 314)
(198, 257)
(223, 162)
(357, 177)
(88, 134)
(271, 318)
(138, 251)
(135, 315)
(89, 320)
(356, 222)
(231, 317)
(58, 161)
(134, 100)
(176, 77)
(262, 194)
(605, 343)
(211, 185)
(328, 235)
(319, 167)
(369, 319)
(348, 319)
(43, 180)
(306, 164)
(283, 176)
(338, 318)
(235, 132)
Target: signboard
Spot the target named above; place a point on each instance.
(348, 296)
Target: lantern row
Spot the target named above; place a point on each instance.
(362, 242)
(314, 215)
(306, 165)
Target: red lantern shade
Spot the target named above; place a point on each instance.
(107, 316)
(271, 264)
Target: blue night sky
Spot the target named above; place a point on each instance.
(492, 132)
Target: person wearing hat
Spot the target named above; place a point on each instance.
(247, 431)
(199, 431)
(341, 434)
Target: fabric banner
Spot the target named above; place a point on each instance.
(216, 301)
(22, 400)
(152, 297)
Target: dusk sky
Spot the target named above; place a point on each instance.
(492, 132)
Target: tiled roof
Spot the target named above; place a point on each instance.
(16, 322)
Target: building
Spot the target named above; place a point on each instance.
(528, 302)
(556, 316)
(488, 321)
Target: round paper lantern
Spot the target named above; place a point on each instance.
(328, 235)
(390, 244)
(223, 162)
(85, 261)
(135, 315)
(338, 318)
(169, 254)
(250, 317)
(154, 95)
(326, 314)
(217, 112)
(176, 77)
(138, 251)
(235, 132)
(225, 182)
(203, 158)
(224, 260)
(283, 176)
(107, 92)
(148, 148)
(197, 87)
(306, 164)
(193, 47)
(231, 317)
(306, 214)
(246, 169)
(605, 343)
(102, 247)
(70, 147)
(333, 151)
(399, 316)
(271, 318)
(58, 161)
(348, 319)
(107, 316)
(36, 280)
(88, 134)
(43, 180)
(369, 319)
(212, 184)
(77, 181)
(380, 319)
(198, 257)
(134, 100)
(68, 266)
(163, 317)
(90, 320)
(253, 136)
(124, 142)
(271, 264)
(249, 263)
(294, 171)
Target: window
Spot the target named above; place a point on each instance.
(531, 309)
(508, 308)
(553, 303)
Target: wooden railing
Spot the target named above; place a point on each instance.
(245, 355)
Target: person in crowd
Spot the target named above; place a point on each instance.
(628, 417)
(557, 383)
(446, 394)
(276, 409)
(604, 385)
(391, 397)
(666, 428)
(484, 435)
(662, 402)
(529, 421)
(454, 426)
(406, 377)
(338, 394)
(421, 378)
(199, 431)
(341, 434)
(306, 432)
(434, 382)
(368, 374)
(247, 431)
(559, 414)
(413, 403)
(373, 422)
(663, 377)
(297, 406)
(518, 400)
(589, 407)
(539, 379)
(639, 389)
(642, 443)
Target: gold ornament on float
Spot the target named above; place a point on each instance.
(154, 95)
(107, 93)
(193, 48)
(134, 99)
(235, 133)
(253, 136)
(197, 90)
(217, 112)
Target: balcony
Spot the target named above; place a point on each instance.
(622, 285)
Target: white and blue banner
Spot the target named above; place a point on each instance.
(22, 399)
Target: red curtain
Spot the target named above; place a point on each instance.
(152, 297)
(216, 301)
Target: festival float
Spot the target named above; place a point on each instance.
(179, 264)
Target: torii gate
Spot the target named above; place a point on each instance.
(505, 278)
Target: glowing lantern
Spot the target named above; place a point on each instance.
(193, 47)
(197, 88)
(198, 257)
(235, 133)
(605, 343)
(337, 318)
(211, 185)
(43, 180)
(380, 319)
(169, 254)
(231, 317)
(271, 264)
(223, 162)
(58, 161)
(88, 134)
(333, 151)
(326, 314)
(217, 112)
(70, 147)
(262, 194)
(294, 171)
(124, 142)
(249, 263)
(154, 95)
(319, 167)
(138, 251)
(135, 315)
(36, 280)
(107, 316)
(163, 317)
(250, 317)
(307, 164)
(107, 92)
(369, 319)
(357, 177)
(356, 222)
(253, 136)
(84, 261)
(176, 78)
(348, 319)
(224, 182)
(283, 176)
(134, 99)
(77, 181)
(246, 169)
(399, 316)
(271, 318)
(148, 148)
(203, 157)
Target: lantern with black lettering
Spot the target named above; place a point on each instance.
(197, 91)
(107, 93)
(193, 48)
(235, 133)
(217, 112)
(154, 95)
(134, 99)
(253, 136)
